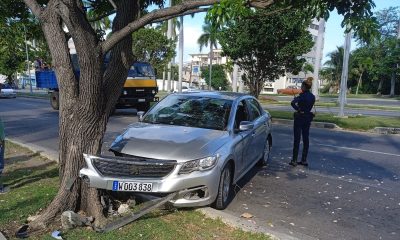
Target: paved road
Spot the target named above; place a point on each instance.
(350, 191)
(369, 101)
(335, 110)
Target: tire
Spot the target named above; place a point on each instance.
(224, 188)
(55, 100)
(267, 151)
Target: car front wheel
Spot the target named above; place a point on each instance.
(266, 153)
(224, 189)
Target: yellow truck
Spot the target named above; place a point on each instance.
(139, 90)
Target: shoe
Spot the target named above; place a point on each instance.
(305, 164)
(294, 164)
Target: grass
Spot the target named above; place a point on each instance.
(362, 123)
(361, 96)
(33, 95)
(333, 104)
(34, 182)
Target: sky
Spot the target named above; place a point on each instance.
(334, 33)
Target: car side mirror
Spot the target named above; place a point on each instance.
(140, 115)
(245, 126)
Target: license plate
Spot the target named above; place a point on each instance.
(132, 186)
(142, 100)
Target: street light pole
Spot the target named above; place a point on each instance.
(27, 61)
(180, 55)
(344, 77)
(318, 54)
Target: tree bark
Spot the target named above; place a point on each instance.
(359, 82)
(85, 104)
(393, 83)
(379, 91)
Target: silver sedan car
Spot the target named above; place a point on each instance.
(197, 144)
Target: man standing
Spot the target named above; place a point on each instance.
(303, 116)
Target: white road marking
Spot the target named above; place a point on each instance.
(361, 150)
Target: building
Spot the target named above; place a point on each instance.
(199, 60)
(314, 57)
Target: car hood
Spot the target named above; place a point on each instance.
(169, 142)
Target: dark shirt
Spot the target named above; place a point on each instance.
(304, 102)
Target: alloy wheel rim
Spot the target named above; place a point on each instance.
(266, 150)
(226, 184)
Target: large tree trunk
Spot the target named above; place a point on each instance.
(379, 91)
(359, 82)
(393, 83)
(85, 104)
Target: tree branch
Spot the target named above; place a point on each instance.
(154, 15)
(260, 3)
(35, 7)
(102, 16)
(193, 11)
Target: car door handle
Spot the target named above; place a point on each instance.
(253, 134)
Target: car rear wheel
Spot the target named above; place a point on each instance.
(224, 189)
(267, 150)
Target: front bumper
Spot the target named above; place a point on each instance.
(196, 189)
(8, 95)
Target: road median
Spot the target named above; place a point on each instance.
(383, 125)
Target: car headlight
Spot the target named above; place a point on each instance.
(125, 92)
(202, 164)
(153, 92)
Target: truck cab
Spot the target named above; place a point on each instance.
(140, 88)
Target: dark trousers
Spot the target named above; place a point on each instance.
(301, 127)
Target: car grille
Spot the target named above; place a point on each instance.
(139, 92)
(133, 167)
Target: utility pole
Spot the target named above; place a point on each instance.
(234, 77)
(317, 66)
(27, 61)
(211, 59)
(393, 80)
(345, 71)
(180, 55)
(169, 36)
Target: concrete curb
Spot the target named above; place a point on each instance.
(43, 152)
(243, 224)
(313, 124)
(386, 130)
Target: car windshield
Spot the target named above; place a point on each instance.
(141, 70)
(6, 86)
(191, 111)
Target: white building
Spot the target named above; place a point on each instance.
(199, 60)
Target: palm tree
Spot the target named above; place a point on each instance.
(334, 65)
(362, 65)
(209, 37)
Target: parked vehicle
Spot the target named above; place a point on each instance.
(6, 91)
(2, 146)
(290, 90)
(188, 89)
(199, 144)
(139, 90)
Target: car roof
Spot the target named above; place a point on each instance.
(215, 94)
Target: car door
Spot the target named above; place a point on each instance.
(259, 132)
(243, 138)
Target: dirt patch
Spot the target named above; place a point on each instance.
(17, 157)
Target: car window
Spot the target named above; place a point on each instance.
(255, 109)
(241, 114)
(191, 111)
